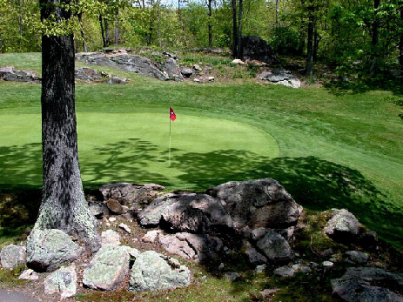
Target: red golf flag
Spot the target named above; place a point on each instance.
(172, 114)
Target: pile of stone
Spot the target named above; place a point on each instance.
(14, 75)
(258, 218)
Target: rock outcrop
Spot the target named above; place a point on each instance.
(255, 48)
(281, 77)
(369, 284)
(11, 74)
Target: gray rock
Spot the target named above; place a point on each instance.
(284, 271)
(260, 268)
(63, 281)
(11, 74)
(327, 265)
(369, 284)
(132, 63)
(275, 247)
(343, 226)
(281, 77)
(232, 276)
(125, 228)
(29, 274)
(186, 213)
(108, 268)
(173, 70)
(255, 48)
(187, 72)
(254, 256)
(151, 236)
(356, 257)
(198, 247)
(131, 194)
(13, 255)
(110, 237)
(258, 203)
(98, 210)
(153, 271)
(301, 268)
(47, 250)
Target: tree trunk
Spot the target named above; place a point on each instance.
(101, 23)
(374, 43)
(277, 11)
(117, 29)
(80, 20)
(310, 46)
(240, 49)
(63, 203)
(209, 25)
(316, 40)
(107, 40)
(234, 30)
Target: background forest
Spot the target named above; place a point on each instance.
(360, 36)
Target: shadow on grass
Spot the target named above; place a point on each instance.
(359, 86)
(314, 183)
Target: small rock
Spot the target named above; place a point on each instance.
(221, 266)
(63, 281)
(197, 67)
(187, 72)
(153, 271)
(238, 62)
(110, 237)
(125, 228)
(269, 292)
(151, 236)
(211, 79)
(114, 206)
(232, 276)
(29, 274)
(356, 257)
(260, 268)
(112, 219)
(284, 271)
(327, 265)
(13, 255)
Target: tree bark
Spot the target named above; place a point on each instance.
(63, 203)
(234, 30)
(101, 23)
(401, 41)
(107, 40)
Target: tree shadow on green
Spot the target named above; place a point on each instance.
(314, 183)
(21, 165)
(124, 161)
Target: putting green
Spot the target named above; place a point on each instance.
(135, 148)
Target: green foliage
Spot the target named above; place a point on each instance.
(287, 41)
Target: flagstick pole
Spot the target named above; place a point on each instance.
(170, 126)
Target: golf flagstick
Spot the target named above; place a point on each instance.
(172, 117)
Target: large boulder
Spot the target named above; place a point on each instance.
(173, 70)
(63, 282)
(343, 226)
(197, 247)
(109, 267)
(48, 249)
(13, 255)
(274, 246)
(369, 284)
(194, 213)
(153, 271)
(11, 74)
(281, 77)
(255, 48)
(257, 203)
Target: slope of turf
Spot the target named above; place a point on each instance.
(135, 147)
(341, 149)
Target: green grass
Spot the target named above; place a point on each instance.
(333, 147)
